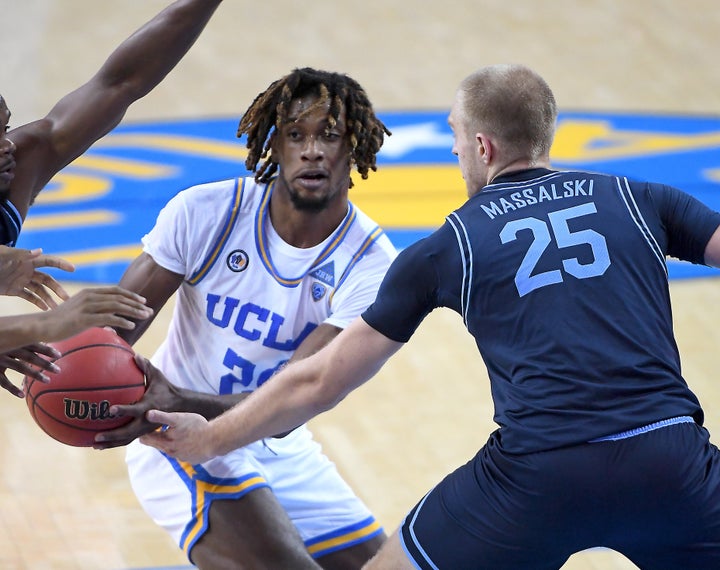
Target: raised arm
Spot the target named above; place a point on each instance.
(82, 117)
(296, 394)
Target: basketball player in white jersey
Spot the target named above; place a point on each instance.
(266, 270)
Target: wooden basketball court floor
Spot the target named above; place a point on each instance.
(429, 408)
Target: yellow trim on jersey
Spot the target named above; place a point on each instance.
(224, 234)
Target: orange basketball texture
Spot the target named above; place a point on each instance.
(97, 370)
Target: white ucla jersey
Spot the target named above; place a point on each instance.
(249, 299)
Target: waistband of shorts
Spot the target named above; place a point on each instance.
(645, 429)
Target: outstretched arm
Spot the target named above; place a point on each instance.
(22, 336)
(296, 394)
(157, 284)
(82, 117)
(92, 307)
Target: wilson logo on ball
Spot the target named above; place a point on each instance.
(85, 410)
(97, 370)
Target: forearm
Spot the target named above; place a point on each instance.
(22, 330)
(303, 389)
(207, 405)
(296, 394)
(147, 56)
(279, 406)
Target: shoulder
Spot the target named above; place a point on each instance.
(221, 194)
(431, 252)
(371, 237)
(210, 189)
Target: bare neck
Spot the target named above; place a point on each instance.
(516, 164)
(305, 228)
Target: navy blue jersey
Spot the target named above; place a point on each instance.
(10, 223)
(561, 279)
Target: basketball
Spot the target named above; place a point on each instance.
(97, 370)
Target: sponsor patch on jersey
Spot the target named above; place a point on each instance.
(238, 261)
(326, 274)
(318, 291)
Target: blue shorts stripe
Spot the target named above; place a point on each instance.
(644, 429)
(410, 542)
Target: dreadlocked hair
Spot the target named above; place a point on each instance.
(269, 111)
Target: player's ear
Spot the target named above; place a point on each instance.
(485, 148)
(274, 148)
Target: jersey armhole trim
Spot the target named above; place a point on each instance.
(225, 232)
(466, 256)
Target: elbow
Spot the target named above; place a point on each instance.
(326, 401)
(324, 394)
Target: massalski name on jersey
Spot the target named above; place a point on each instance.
(542, 193)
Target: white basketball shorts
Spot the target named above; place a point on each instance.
(326, 512)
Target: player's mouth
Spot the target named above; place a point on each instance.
(312, 179)
(7, 171)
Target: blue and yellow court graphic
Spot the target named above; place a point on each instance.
(96, 210)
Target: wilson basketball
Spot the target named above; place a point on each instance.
(97, 370)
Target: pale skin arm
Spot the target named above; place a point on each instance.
(82, 117)
(19, 276)
(157, 285)
(295, 395)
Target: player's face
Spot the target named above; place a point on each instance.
(314, 158)
(466, 148)
(7, 151)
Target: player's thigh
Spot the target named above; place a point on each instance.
(489, 513)
(679, 529)
(252, 532)
(391, 556)
(327, 512)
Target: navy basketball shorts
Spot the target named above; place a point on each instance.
(653, 497)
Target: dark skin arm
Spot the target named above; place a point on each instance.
(93, 307)
(157, 285)
(82, 117)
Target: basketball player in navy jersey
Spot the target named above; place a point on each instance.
(31, 154)
(561, 279)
